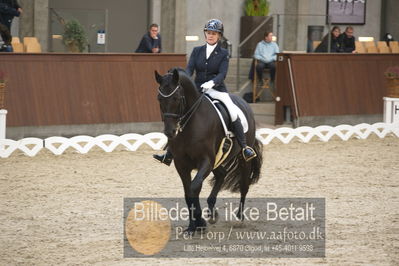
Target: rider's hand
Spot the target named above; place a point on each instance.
(207, 85)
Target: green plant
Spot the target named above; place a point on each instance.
(392, 72)
(257, 7)
(74, 34)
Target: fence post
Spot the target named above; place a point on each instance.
(3, 114)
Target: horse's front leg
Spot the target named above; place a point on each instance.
(192, 199)
(204, 169)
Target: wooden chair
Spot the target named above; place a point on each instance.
(30, 39)
(18, 47)
(33, 47)
(315, 44)
(369, 44)
(359, 48)
(384, 50)
(382, 44)
(395, 49)
(394, 44)
(15, 40)
(266, 84)
(372, 50)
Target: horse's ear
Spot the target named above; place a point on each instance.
(175, 76)
(158, 77)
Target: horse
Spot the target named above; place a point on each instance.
(194, 133)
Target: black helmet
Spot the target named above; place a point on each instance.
(214, 25)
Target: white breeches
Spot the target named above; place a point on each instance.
(225, 98)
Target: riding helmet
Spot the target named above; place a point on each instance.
(214, 25)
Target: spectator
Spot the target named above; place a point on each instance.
(266, 54)
(335, 46)
(347, 41)
(8, 10)
(151, 41)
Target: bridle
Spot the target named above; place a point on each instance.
(182, 118)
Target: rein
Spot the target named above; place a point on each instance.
(183, 119)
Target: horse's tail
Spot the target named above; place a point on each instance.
(256, 163)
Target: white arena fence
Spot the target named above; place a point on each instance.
(131, 142)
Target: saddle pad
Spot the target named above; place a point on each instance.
(243, 119)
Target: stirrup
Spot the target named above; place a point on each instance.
(249, 156)
(163, 158)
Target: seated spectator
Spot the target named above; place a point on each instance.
(8, 10)
(347, 41)
(335, 46)
(266, 54)
(151, 41)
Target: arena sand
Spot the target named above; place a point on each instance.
(68, 209)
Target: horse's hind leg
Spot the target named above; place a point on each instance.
(219, 178)
(245, 168)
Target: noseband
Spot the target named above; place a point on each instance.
(182, 118)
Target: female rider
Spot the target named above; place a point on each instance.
(210, 63)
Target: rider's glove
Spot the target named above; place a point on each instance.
(207, 85)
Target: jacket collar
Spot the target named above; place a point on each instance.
(215, 51)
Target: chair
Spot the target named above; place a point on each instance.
(395, 49)
(266, 84)
(369, 44)
(315, 44)
(33, 47)
(15, 40)
(372, 50)
(18, 47)
(359, 48)
(30, 39)
(384, 50)
(382, 44)
(394, 44)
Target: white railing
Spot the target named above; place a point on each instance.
(131, 142)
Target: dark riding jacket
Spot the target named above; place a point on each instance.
(214, 68)
(8, 10)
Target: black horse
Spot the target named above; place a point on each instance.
(194, 134)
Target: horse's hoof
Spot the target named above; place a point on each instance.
(213, 217)
(239, 216)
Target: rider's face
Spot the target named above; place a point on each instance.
(212, 37)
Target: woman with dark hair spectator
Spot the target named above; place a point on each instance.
(335, 45)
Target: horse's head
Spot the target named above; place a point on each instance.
(171, 100)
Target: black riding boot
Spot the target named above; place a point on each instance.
(167, 158)
(247, 152)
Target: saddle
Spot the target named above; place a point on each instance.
(227, 143)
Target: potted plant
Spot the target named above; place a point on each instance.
(74, 36)
(392, 76)
(255, 12)
(2, 88)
